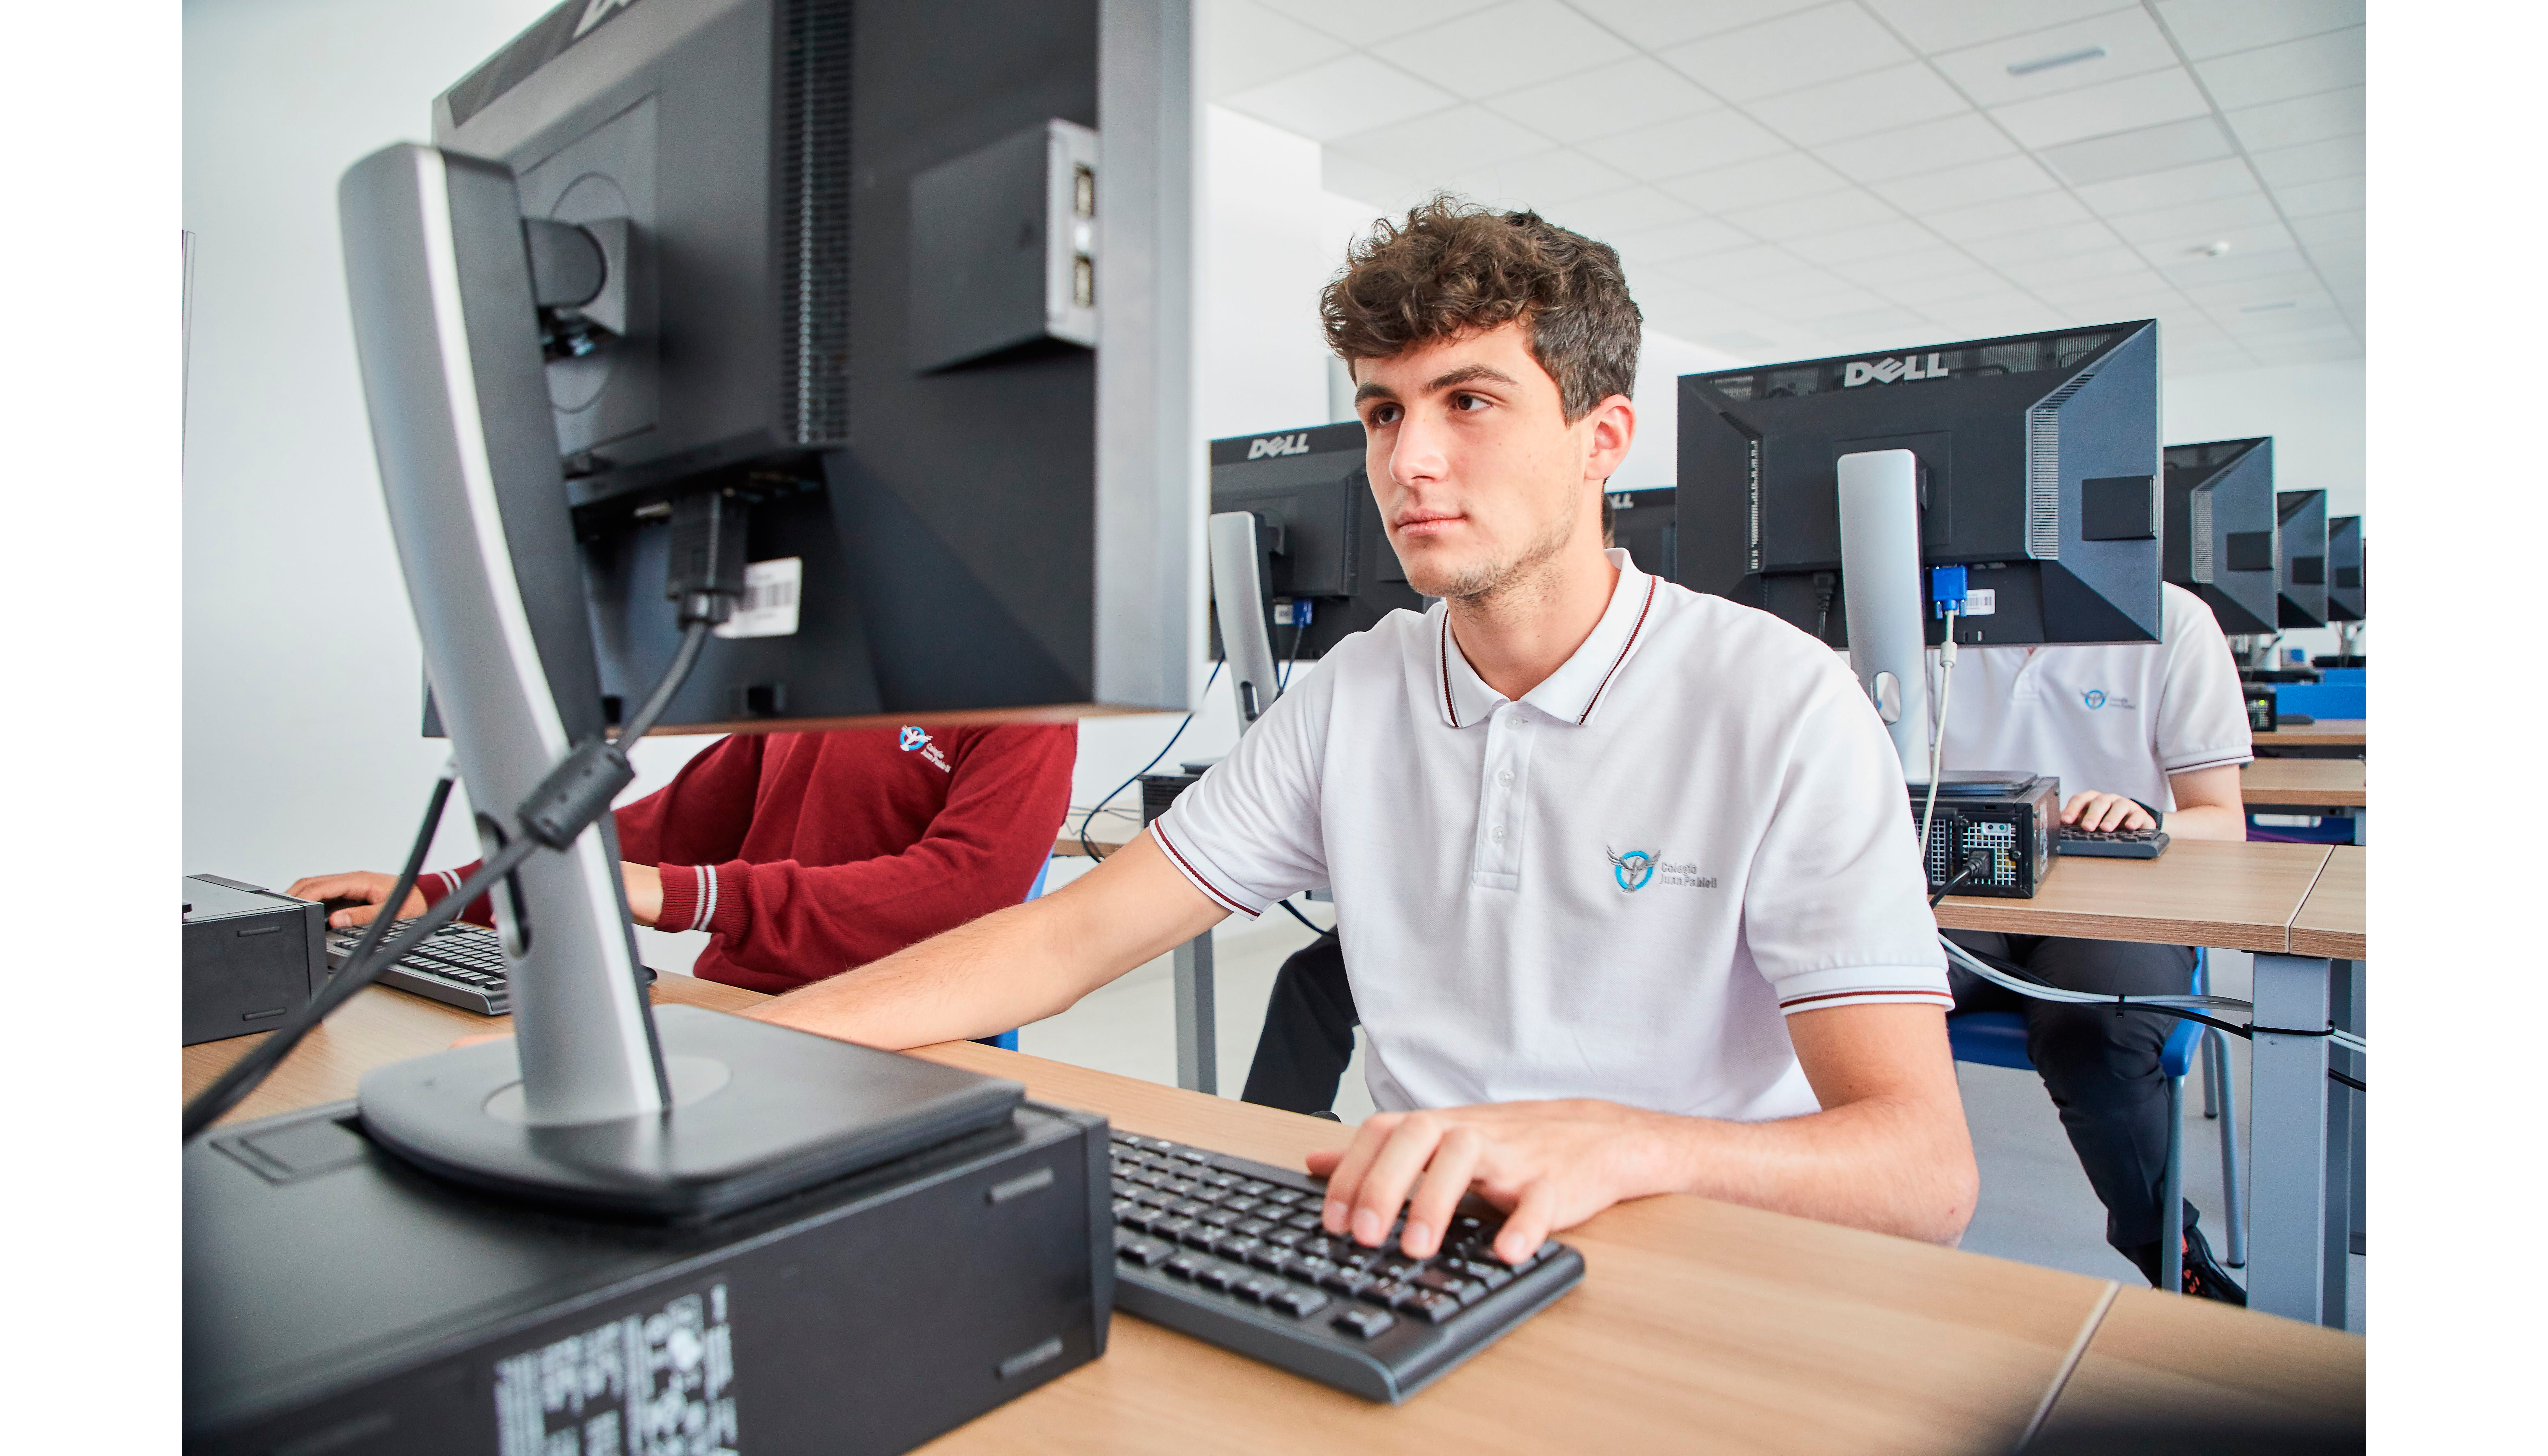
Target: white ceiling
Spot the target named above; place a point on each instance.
(1792, 178)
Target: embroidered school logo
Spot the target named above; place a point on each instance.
(913, 738)
(2098, 697)
(1631, 870)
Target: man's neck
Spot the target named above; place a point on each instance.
(1519, 634)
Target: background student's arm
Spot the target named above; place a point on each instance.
(1016, 965)
(2208, 806)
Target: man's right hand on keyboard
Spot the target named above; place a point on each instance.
(355, 884)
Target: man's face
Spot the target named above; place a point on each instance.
(1479, 477)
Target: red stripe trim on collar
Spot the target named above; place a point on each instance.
(1198, 876)
(1448, 707)
(1596, 700)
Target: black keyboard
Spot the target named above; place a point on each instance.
(459, 965)
(2114, 844)
(1231, 1251)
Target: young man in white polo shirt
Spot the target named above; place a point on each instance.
(1627, 884)
(2134, 733)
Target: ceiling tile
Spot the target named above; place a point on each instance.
(2310, 161)
(1805, 216)
(2127, 105)
(1781, 178)
(1945, 25)
(2311, 199)
(2306, 119)
(1805, 49)
(1436, 142)
(1786, 296)
(2126, 290)
(1626, 211)
(2130, 38)
(1749, 264)
(2175, 187)
(1350, 94)
(1925, 147)
(2258, 262)
(1678, 149)
(2206, 28)
(2010, 215)
(2336, 258)
(2325, 62)
(1516, 43)
(1944, 288)
(2271, 288)
(1876, 240)
(2046, 242)
(2145, 149)
(2220, 358)
(2189, 251)
(2101, 262)
(1982, 318)
(1875, 325)
(1362, 23)
(1656, 24)
(1246, 45)
(2271, 353)
(2330, 229)
(1637, 92)
(1975, 182)
(1537, 183)
(2195, 224)
(1909, 261)
(1879, 101)
(1354, 178)
(1675, 240)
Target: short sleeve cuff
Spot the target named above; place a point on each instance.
(2196, 759)
(1219, 887)
(1865, 985)
(705, 897)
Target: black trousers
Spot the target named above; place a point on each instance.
(1308, 1036)
(2099, 1065)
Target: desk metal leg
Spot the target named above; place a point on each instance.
(2288, 1133)
(2362, 825)
(1198, 1045)
(2338, 1241)
(2359, 1107)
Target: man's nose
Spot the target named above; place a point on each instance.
(1418, 454)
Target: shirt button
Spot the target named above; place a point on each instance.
(1504, 778)
(1497, 834)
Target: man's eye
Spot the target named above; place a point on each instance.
(1384, 414)
(1468, 402)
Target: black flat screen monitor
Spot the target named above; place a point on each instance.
(2218, 535)
(760, 174)
(2300, 584)
(1647, 523)
(2040, 458)
(2345, 569)
(1326, 548)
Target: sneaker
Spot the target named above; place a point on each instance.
(2204, 1279)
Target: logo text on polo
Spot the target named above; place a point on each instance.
(2098, 697)
(1888, 371)
(918, 738)
(1291, 444)
(1637, 868)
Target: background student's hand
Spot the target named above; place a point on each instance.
(357, 884)
(2095, 810)
(1549, 1165)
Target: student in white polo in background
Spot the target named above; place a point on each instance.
(2134, 733)
(1627, 887)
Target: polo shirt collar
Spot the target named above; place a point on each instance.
(1576, 689)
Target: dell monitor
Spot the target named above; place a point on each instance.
(1646, 523)
(2345, 569)
(2301, 580)
(1329, 570)
(2218, 540)
(2038, 459)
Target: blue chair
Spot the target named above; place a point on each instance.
(1008, 1040)
(1998, 1038)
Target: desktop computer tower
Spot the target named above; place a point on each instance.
(2007, 831)
(339, 1300)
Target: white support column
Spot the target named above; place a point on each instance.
(1198, 1043)
(2287, 1221)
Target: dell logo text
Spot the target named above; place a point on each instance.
(1293, 444)
(1886, 371)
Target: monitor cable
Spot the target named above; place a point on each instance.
(1938, 738)
(1089, 848)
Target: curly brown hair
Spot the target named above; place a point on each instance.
(1454, 267)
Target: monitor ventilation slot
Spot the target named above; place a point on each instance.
(814, 240)
(2201, 503)
(2044, 470)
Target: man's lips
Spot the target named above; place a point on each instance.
(1426, 524)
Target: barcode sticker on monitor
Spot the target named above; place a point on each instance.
(1981, 601)
(771, 589)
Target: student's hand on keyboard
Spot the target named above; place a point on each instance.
(1549, 1165)
(355, 884)
(2094, 810)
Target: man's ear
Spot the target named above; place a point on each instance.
(1614, 429)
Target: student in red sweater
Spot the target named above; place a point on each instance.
(804, 855)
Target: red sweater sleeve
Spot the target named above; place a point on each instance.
(787, 924)
(700, 818)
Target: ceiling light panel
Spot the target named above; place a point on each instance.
(2304, 119)
(2129, 104)
(2209, 28)
(1349, 94)
(1927, 146)
(1619, 96)
(2143, 149)
(2280, 72)
(1678, 149)
(1514, 44)
(2130, 38)
(1794, 50)
(1879, 101)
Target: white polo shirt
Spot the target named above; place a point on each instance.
(1614, 888)
(2118, 719)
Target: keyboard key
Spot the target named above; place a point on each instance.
(1303, 1220)
(1488, 1272)
(1259, 1227)
(1363, 1323)
(1285, 1237)
(1389, 1291)
(1259, 1288)
(1285, 1196)
(1351, 1283)
(1185, 1266)
(1206, 1192)
(1255, 1187)
(1241, 1202)
(1222, 1216)
(1220, 1277)
(1235, 1247)
(1268, 1257)
(1298, 1303)
(1458, 1286)
(1429, 1304)
(1187, 1207)
(1149, 1253)
(1196, 1235)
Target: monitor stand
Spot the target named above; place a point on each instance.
(595, 1103)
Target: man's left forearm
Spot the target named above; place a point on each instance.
(1881, 1163)
(2206, 821)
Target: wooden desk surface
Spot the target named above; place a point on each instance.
(2304, 781)
(2331, 921)
(2221, 893)
(1703, 1327)
(2220, 1369)
(2325, 733)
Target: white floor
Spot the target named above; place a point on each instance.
(2035, 1203)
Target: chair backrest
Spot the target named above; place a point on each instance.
(1998, 1038)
